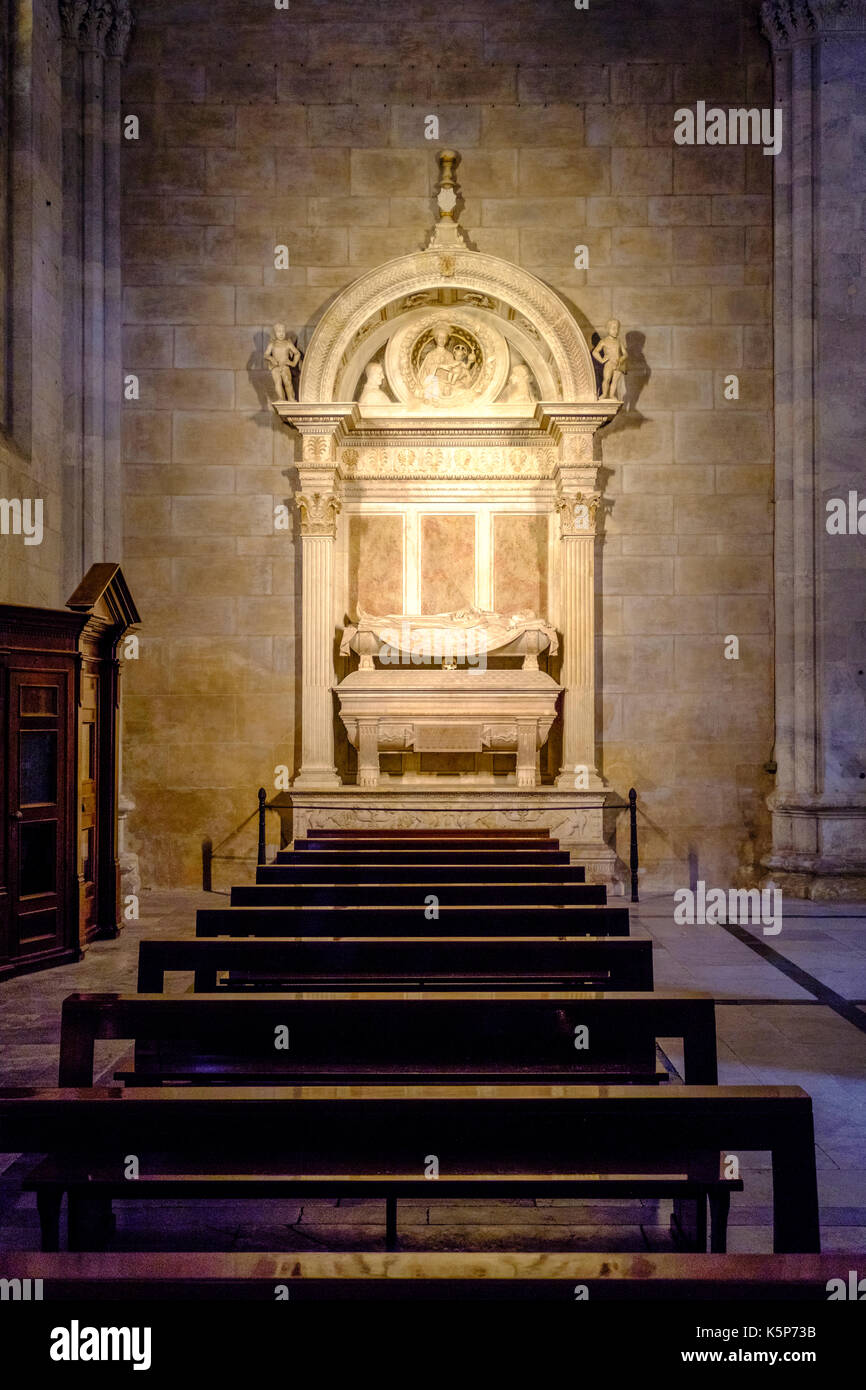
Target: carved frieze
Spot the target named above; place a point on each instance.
(447, 462)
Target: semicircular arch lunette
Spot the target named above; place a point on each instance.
(434, 270)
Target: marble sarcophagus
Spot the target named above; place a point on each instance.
(467, 710)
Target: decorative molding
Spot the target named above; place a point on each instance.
(447, 462)
(319, 513)
(577, 448)
(787, 22)
(318, 448)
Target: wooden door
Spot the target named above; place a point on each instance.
(39, 760)
(88, 805)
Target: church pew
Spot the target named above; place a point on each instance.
(415, 834)
(607, 963)
(423, 856)
(489, 1141)
(421, 1275)
(409, 873)
(405, 921)
(470, 1036)
(444, 845)
(413, 895)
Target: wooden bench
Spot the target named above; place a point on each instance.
(406, 921)
(414, 895)
(335, 1038)
(416, 835)
(428, 875)
(371, 1275)
(584, 962)
(371, 857)
(489, 1141)
(443, 845)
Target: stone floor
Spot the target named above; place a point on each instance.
(797, 1018)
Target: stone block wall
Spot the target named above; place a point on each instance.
(307, 127)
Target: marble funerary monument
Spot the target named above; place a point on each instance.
(449, 503)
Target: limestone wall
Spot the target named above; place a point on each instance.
(306, 127)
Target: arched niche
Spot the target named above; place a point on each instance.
(531, 316)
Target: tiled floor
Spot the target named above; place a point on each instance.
(771, 1029)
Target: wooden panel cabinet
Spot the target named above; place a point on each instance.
(59, 881)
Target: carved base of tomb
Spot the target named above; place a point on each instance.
(575, 818)
(440, 712)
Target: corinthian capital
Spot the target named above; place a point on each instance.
(89, 23)
(787, 22)
(72, 16)
(118, 35)
(98, 19)
(578, 514)
(319, 511)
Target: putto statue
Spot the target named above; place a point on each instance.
(612, 355)
(281, 356)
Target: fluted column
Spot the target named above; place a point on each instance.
(577, 516)
(318, 513)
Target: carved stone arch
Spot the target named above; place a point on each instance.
(367, 296)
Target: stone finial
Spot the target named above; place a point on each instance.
(786, 22)
(447, 234)
(319, 513)
(449, 188)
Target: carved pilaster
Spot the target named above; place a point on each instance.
(578, 513)
(318, 519)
